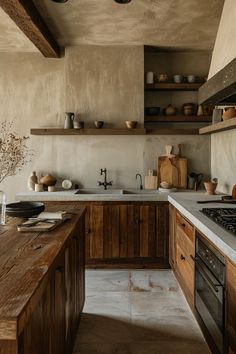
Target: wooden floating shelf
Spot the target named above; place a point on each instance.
(178, 118)
(92, 131)
(117, 131)
(170, 86)
(172, 131)
(219, 127)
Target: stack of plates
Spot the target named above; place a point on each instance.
(24, 209)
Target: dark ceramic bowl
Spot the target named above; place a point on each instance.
(152, 111)
(24, 209)
(98, 124)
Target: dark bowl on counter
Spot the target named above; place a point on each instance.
(24, 209)
(152, 111)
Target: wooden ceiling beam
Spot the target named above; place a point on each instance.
(26, 16)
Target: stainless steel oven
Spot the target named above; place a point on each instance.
(209, 290)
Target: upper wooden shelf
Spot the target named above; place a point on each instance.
(92, 131)
(170, 86)
(219, 127)
(178, 118)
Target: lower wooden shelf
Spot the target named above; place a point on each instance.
(219, 127)
(103, 131)
(115, 131)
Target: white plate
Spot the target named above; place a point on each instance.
(66, 184)
(167, 190)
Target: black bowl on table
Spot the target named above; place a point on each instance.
(24, 209)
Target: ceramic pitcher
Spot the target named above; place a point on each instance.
(69, 117)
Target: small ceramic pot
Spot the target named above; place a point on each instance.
(189, 109)
(191, 79)
(163, 78)
(170, 110)
(38, 187)
(98, 124)
(131, 124)
(178, 79)
(229, 113)
(149, 77)
(210, 187)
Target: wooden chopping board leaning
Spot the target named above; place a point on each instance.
(173, 170)
(150, 181)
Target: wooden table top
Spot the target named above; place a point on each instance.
(25, 259)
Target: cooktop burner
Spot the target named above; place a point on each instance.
(225, 217)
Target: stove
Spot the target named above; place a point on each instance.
(225, 217)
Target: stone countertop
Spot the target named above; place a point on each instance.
(70, 195)
(187, 205)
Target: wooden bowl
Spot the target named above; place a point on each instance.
(131, 124)
(210, 187)
(48, 180)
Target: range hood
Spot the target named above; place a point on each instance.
(221, 88)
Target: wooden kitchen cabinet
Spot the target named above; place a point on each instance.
(172, 238)
(185, 251)
(231, 306)
(127, 234)
(42, 293)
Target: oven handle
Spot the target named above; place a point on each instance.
(207, 277)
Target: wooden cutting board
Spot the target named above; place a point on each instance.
(173, 170)
(150, 182)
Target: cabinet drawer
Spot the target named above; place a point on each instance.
(183, 225)
(185, 272)
(186, 245)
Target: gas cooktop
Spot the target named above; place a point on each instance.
(225, 217)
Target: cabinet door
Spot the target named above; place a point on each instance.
(231, 306)
(172, 239)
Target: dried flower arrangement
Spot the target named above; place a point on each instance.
(14, 152)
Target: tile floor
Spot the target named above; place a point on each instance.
(137, 312)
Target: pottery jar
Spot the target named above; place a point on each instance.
(170, 110)
(230, 112)
(189, 109)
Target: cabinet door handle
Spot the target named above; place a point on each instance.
(59, 269)
(182, 257)
(183, 224)
(137, 221)
(75, 238)
(87, 231)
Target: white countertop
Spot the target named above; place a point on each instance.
(186, 203)
(99, 195)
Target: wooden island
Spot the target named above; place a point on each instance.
(42, 285)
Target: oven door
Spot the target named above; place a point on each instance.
(209, 302)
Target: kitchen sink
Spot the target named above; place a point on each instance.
(99, 191)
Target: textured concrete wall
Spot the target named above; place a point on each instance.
(223, 160)
(225, 46)
(90, 81)
(223, 144)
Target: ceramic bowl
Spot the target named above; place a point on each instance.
(131, 124)
(178, 79)
(152, 111)
(99, 124)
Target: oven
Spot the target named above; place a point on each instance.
(209, 290)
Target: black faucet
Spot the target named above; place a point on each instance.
(105, 183)
(141, 181)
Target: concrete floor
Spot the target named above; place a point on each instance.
(137, 312)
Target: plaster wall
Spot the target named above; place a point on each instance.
(223, 145)
(97, 83)
(225, 45)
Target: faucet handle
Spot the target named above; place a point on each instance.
(110, 183)
(99, 183)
